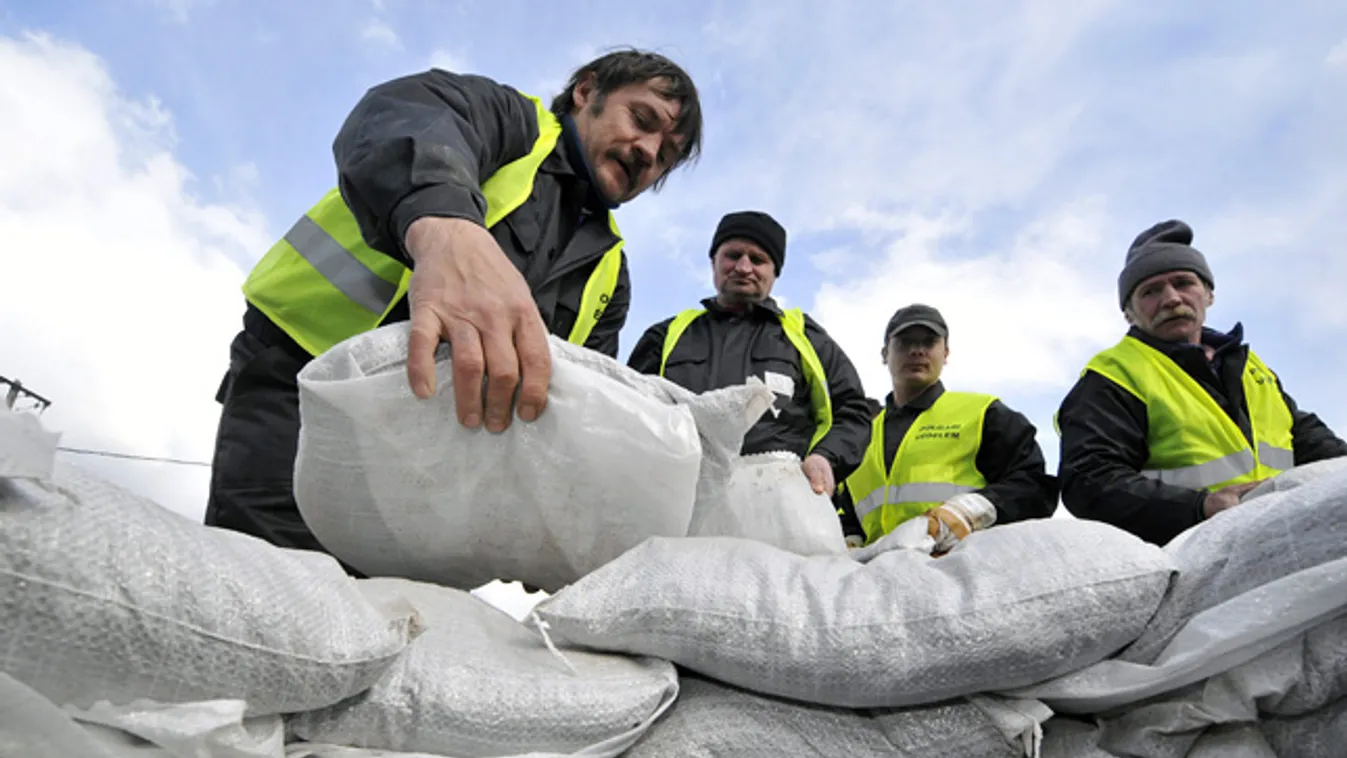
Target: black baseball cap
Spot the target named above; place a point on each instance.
(916, 315)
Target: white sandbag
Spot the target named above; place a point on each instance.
(1218, 716)
(108, 596)
(1294, 477)
(714, 720)
(395, 486)
(27, 449)
(1010, 606)
(769, 499)
(1283, 645)
(1259, 541)
(479, 683)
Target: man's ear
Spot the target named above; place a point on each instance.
(884, 354)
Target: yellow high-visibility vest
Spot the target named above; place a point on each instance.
(1192, 441)
(322, 283)
(936, 460)
(792, 322)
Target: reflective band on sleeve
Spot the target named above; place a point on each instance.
(340, 267)
(1205, 475)
(915, 492)
(1276, 457)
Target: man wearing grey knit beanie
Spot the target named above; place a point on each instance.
(1178, 421)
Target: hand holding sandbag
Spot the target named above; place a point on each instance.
(957, 518)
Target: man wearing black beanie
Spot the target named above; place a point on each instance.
(1177, 421)
(821, 413)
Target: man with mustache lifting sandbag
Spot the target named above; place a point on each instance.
(964, 460)
(501, 205)
(1178, 421)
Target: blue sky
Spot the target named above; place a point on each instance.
(992, 159)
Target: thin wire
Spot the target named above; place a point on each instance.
(130, 457)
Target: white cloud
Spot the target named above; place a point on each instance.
(1022, 316)
(119, 297)
(379, 33)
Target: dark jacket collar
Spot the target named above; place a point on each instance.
(921, 402)
(768, 305)
(578, 162)
(1220, 342)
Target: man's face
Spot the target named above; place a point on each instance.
(742, 272)
(915, 356)
(1171, 306)
(628, 136)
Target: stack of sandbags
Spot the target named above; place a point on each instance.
(479, 683)
(395, 486)
(1251, 640)
(1010, 606)
(712, 719)
(106, 596)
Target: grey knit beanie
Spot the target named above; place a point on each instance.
(1167, 246)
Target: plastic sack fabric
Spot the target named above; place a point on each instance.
(1257, 542)
(31, 726)
(1318, 734)
(769, 499)
(395, 486)
(209, 729)
(1301, 676)
(108, 596)
(714, 720)
(1292, 478)
(1010, 606)
(479, 683)
(1285, 639)
(27, 450)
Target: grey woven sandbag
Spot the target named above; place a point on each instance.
(395, 486)
(1010, 606)
(715, 720)
(1318, 734)
(106, 595)
(1071, 738)
(1245, 547)
(479, 683)
(1294, 477)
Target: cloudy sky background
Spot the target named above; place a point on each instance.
(991, 159)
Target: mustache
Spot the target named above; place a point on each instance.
(634, 161)
(1180, 312)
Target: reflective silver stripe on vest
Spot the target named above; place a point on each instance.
(916, 492)
(1276, 457)
(338, 266)
(1206, 474)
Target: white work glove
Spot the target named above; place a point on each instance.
(957, 518)
(854, 541)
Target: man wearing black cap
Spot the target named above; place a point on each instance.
(821, 413)
(962, 460)
(1177, 421)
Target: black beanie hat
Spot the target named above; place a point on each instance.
(1167, 246)
(756, 226)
